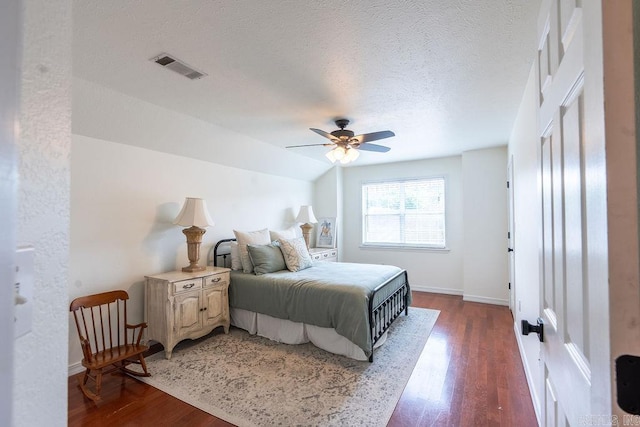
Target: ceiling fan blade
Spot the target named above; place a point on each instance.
(374, 147)
(309, 145)
(323, 133)
(373, 136)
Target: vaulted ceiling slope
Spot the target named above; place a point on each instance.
(445, 75)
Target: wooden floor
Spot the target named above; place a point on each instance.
(469, 374)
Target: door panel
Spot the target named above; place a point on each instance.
(214, 301)
(573, 183)
(547, 231)
(187, 313)
(569, 18)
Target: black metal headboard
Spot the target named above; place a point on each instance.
(222, 249)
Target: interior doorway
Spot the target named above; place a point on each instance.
(511, 238)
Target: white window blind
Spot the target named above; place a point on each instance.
(408, 212)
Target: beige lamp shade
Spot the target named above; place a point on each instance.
(306, 215)
(194, 213)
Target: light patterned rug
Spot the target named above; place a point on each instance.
(248, 380)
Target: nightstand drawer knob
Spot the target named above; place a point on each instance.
(189, 286)
(216, 280)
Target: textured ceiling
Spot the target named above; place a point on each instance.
(446, 76)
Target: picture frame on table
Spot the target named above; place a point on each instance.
(326, 234)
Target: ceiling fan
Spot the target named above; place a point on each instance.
(346, 145)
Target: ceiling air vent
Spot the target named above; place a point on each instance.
(178, 66)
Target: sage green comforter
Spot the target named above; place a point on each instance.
(329, 294)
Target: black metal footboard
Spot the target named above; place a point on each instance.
(383, 314)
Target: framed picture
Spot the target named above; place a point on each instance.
(326, 236)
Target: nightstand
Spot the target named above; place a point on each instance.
(180, 305)
(324, 254)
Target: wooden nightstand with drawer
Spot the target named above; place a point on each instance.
(181, 305)
(324, 254)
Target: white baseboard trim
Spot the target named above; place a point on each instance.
(485, 300)
(446, 291)
(471, 298)
(527, 373)
(75, 368)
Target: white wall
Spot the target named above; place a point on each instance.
(123, 202)
(10, 49)
(485, 225)
(527, 216)
(103, 113)
(40, 371)
(429, 270)
(475, 262)
(327, 201)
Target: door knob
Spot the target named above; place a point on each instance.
(628, 383)
(509, 249)
(538, 328)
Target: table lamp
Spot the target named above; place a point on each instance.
(306, 217)
(194, 215)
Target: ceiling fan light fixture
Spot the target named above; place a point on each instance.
(350, 156)
(339, 153)
(331, 156)
(346, 145)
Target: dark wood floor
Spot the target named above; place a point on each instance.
(469, 373)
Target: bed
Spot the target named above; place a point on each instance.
(344, 308)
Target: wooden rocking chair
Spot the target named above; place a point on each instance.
(106, 338)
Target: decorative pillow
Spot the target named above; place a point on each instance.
(266, 258)
(236, 263)
(295, 253)
(289, 233)
(259, 237)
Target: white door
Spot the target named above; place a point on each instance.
(573, 220)
(511, 237)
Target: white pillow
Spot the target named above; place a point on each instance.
(289, 233)
(244, 238)
(236, 262)
(295, 253)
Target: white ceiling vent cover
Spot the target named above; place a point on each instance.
(173, 64)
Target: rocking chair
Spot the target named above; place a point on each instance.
(106, 338)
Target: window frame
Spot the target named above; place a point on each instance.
(403, 246)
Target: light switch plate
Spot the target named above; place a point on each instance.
(23, 287)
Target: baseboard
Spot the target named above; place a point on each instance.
(75, 368)
(471, 298)
(446, 291)
(527, 373)
(485, 300)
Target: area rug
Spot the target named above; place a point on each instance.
(248, 380)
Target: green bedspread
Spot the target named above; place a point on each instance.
(329, 294)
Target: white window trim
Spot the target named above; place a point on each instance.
(400, 246)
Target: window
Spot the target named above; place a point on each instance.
(408, 212)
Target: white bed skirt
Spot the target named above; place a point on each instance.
(288, 332)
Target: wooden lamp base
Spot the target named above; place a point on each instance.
(194, 239)
(306, 232)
